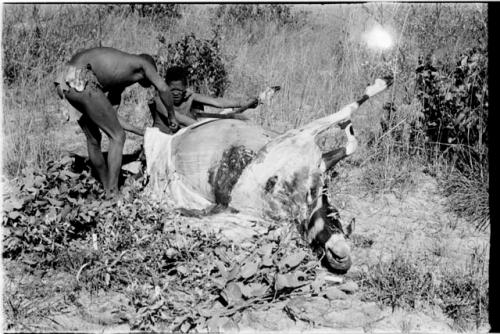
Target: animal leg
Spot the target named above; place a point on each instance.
(344, 114)
(330, 159)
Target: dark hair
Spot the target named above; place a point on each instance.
(176, 73)
(149, 59)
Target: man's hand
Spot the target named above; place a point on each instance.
(174, 125)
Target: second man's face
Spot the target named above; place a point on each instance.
(178, 90)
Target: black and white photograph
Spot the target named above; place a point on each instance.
(228, 167)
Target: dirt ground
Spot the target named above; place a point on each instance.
(417, 222)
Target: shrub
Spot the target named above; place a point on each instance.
(48, 211)
(201, 58)
(455, 107)
(174, 273)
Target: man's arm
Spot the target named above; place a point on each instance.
(222, 103)
(163, 91)
(183, 119)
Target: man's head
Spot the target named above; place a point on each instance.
(176, 79)
(149, 59)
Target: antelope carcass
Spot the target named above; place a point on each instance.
(237, 164)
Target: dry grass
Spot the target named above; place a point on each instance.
(406, 281)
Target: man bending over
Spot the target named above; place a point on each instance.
(92, 82)
(188, 105)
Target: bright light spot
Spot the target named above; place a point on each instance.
(378, 38)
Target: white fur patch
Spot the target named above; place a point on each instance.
(379, 86)
(318, 226)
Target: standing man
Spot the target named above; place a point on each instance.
(92, 82)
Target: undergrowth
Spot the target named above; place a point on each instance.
(173, 274)
(414, 283)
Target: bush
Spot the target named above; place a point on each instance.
(173, 272)
(455, 106)
(201, 58)
(49, 211)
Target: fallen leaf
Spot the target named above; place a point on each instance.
(157, 305)
(215, 324)
(171, 253)
(234, 272)
(334, 293)
(266, 250)
(70, 174)
(252, 289)
(182, 270)
(317, 284)
(232, 294)
(14, 215)
(221, 268)
(13, 204)
(29, 261)
(133, 167)
(349, 287)
(291, 261)
(220, 283)
(222, 255)
(267, 261)
(55, 202)
(249, 269)
(65, 211)
(291, 280)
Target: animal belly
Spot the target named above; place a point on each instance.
(275, 182)
(199, 160)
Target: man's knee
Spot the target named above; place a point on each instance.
(118, 137)
(93, 141)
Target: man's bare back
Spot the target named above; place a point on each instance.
(84, 82)
(113, 68)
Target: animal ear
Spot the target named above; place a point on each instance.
(350, 228)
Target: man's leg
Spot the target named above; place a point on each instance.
(96, 106)
(94, 137)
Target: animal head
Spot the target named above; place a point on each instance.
(324, 231)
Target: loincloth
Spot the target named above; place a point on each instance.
(79, 78)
